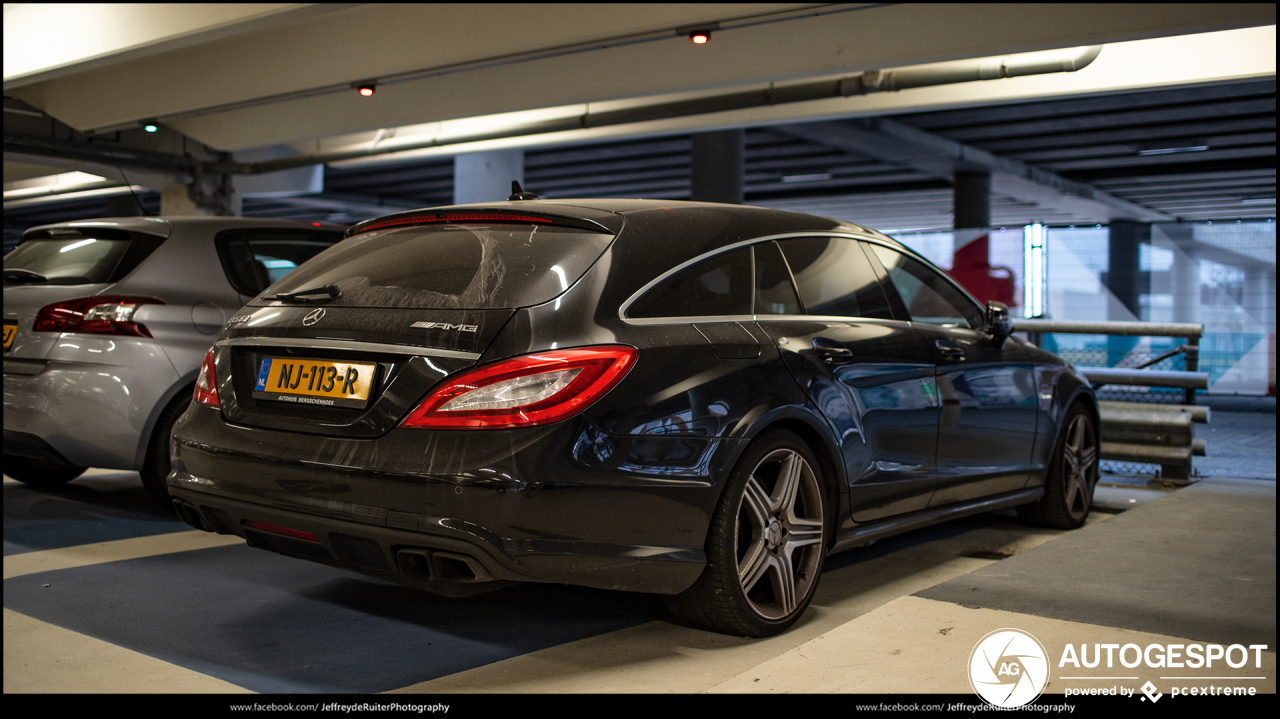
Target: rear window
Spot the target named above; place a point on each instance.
(254, 259)
(76, 257)
(452, 266)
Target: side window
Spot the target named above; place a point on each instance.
(719, 285)
(775, 295)
(255, 259)
(835, 277)
(926, 295)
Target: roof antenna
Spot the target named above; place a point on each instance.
(519, 194)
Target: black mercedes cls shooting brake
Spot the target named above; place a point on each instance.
(697, 400)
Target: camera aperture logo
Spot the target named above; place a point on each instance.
(1008, 668)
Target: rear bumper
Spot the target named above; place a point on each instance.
(92, 399)
(22, 444)
(439, 510)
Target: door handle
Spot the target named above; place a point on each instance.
(949, 350)
(832, 352)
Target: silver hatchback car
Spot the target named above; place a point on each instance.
(106, 323)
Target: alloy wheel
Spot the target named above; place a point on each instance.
(779, 534)
(1079, 460)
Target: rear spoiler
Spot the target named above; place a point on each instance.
(476, 217)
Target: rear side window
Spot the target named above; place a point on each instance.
(74, 257)
(717, 286)
(449, 266)
(835, 278)
(254, 259)
(926, 294)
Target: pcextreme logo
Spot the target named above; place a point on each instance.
(1008, 668)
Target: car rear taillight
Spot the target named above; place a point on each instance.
(524, 391)
(207, 384)
(106, 315)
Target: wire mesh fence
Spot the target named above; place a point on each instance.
(1114, 470)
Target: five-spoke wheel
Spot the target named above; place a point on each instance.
(779, 534)
(1073, 472)
(766, 544)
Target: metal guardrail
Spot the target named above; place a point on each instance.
(1190, 380)
(1132, 431)
(1146, 378)
(1130, 329)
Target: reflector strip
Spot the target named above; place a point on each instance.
(263, 526)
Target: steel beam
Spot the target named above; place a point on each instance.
(898, 143)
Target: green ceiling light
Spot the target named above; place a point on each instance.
(150, 126)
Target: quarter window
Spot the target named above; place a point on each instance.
(717, 286)
(835, 277)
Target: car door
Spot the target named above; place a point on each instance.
(869, 374)
(987, 422)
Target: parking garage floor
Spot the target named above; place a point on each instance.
(103, 594)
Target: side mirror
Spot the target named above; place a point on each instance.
(999, 325)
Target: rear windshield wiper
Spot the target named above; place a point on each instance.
(328, 292)
(23, 276)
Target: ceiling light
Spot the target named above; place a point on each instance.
(150, 126)
(816, 177)
(700, 37)
(1173, 150)
(366, 89)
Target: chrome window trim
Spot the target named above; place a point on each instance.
(622, 310)
(354, 345)
(758, 318)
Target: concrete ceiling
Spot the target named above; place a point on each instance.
(270, 80)
(248, 76)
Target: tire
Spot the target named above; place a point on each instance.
(36, 473)
(1073, 474)
(155, 466)
(766, 544)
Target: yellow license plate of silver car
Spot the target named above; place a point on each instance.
(10, 331)
(316, 382)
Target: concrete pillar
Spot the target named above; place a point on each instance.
(971, 200)
(1124, 277)
(486, 176)
(717, 167)
(1184, 276)
(1260, 295)
(1186, 285)
(1124, 255)
(175, 201)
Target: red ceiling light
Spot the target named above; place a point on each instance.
(700, 37)
(366, 89)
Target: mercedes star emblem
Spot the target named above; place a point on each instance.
(313, 316)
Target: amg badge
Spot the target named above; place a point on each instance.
(445, 326)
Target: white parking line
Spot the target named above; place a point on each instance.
(49, 560)
(44, 658)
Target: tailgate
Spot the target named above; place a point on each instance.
(342, 371)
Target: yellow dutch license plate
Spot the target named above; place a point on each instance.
(315, 382)
(10, 331)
